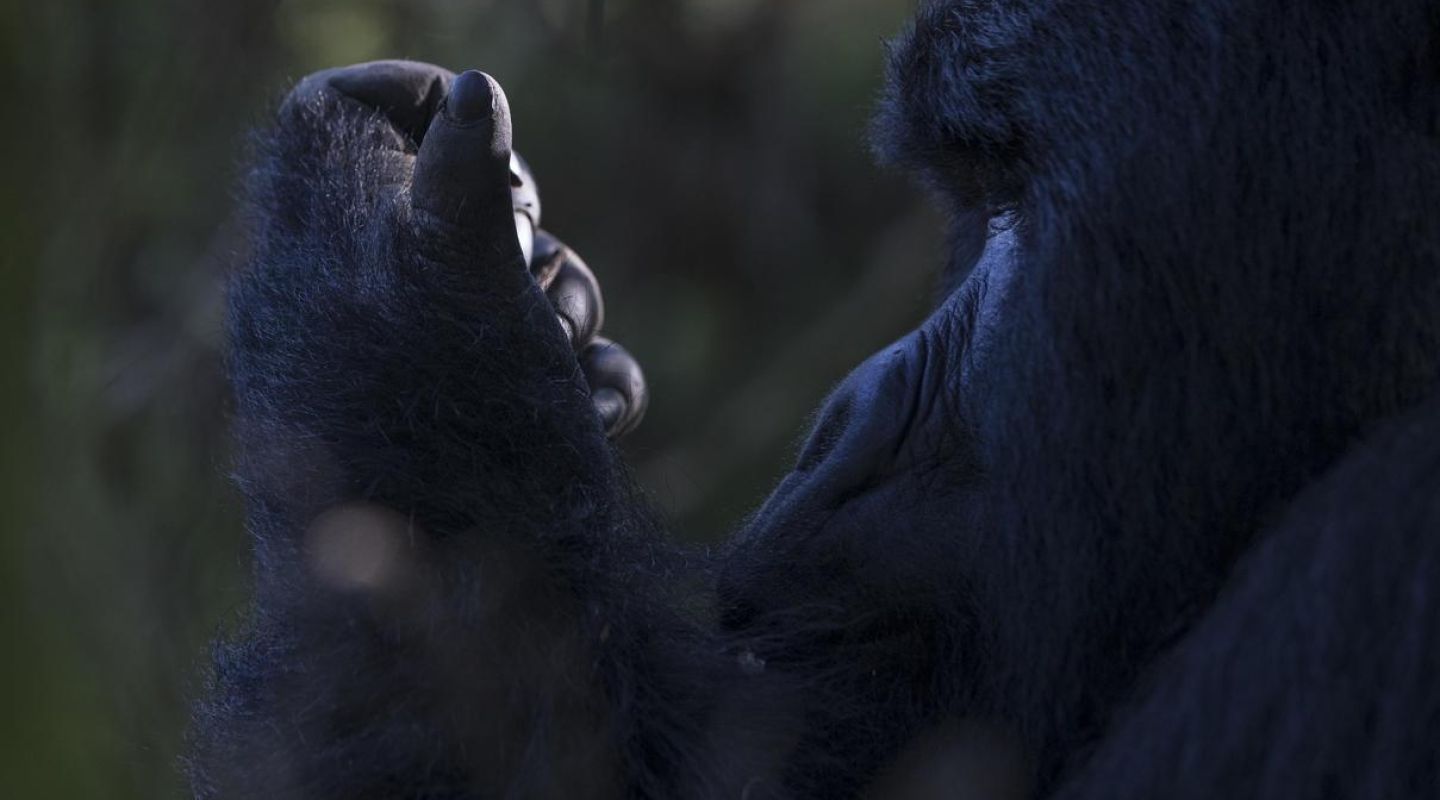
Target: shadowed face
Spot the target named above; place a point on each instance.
(1170, 333)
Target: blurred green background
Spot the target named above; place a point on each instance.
(707, 157)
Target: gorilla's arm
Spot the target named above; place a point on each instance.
(456, 594)
(1313, 675)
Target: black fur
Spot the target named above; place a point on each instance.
(1151, 499)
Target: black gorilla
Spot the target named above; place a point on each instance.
(1149, 507)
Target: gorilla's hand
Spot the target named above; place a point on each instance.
(440, 525)
(387, 320)
(617, 385)
(409, 95)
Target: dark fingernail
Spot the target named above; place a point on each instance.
(470, 97)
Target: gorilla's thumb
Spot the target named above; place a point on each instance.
(461, 188)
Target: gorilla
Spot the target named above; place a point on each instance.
(1149, 506)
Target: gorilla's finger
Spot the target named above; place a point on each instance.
(549, 254)
(576, 296)
(617, 386)
(406, 92)
(462, 173)
(525, 197)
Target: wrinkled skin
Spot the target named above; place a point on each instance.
(1146, 508)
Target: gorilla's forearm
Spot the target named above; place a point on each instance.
(456, 590)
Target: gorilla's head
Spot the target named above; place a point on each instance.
(1209, 265)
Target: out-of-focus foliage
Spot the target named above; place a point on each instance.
(707, 157)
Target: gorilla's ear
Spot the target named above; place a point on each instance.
(951, 110)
